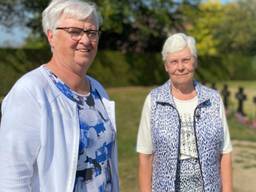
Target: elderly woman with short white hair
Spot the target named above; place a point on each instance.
(183, 138)
(58, 130)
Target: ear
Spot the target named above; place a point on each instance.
(50, 37)
(165, 66)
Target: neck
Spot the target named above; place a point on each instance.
(76, 81)
(183, 92)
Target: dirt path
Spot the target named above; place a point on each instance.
(244, 166)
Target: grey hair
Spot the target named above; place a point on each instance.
(178, 42)
(76, 9)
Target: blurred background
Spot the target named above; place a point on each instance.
(129, 62)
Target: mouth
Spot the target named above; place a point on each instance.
(181, 75)
(84, 50)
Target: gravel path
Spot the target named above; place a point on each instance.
(244, 166)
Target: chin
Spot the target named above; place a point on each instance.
(182, 81)
(84, 64)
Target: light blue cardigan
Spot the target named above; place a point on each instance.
(39, 136)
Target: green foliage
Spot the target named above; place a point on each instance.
(239, 66)
(15, 62)
(114, 68)
(237, 31)
(134, 25)
(211, 69)
(111, 69)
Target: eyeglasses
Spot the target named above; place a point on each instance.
(77, 33)
(184, 61)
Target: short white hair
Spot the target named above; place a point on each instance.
(76, 9)
(178, 42)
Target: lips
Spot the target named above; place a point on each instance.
(185, 74)
(83, 50)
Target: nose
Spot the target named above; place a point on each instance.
(85, 38)
(180, 65)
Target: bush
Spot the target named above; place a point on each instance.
(118, 69)
(113, 68)
(15, 62)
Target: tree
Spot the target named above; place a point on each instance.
(129, 25)
(238, 30)
(203, 25)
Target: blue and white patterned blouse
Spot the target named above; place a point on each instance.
(96, 140)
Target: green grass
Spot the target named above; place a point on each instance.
(129, 102)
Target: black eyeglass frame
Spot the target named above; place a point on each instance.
(87, 32)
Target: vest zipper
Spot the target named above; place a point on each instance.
(179, 129)
(178, 156)
(194, 126)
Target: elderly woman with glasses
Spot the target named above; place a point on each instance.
(58, 129)
(183, 139)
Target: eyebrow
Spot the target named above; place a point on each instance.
(186, 57)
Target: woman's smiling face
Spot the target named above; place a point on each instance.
(76, 54)
(181, 66)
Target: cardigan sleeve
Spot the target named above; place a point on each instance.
(19, 139)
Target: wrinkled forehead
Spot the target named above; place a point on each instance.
(185, 52)
(70, 19)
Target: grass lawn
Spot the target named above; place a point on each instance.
(129, 102)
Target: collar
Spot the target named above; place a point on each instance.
(164, 93)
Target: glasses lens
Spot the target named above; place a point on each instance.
(92, 34)
(75, 33)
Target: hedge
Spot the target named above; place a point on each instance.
(114, 68)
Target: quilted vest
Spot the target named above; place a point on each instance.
(165, 127)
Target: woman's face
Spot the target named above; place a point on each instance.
(76, 53)
(181, 66)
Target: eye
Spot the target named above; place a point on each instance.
(173, 62)
(75, 31)
(92, 33)
(186, 60)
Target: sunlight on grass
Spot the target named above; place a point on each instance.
(129, 102)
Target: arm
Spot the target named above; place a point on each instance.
(226, 160)
(145, 172)
(19, 140)
(226, 172)
(145, 148)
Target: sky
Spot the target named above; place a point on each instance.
(13, 37)
(16, 36)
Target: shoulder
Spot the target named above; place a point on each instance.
(30, 85)
(31, 80)
(98, 86)
(160, 90)
(208, 92)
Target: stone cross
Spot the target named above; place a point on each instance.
(241, 97)
(225, 93)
